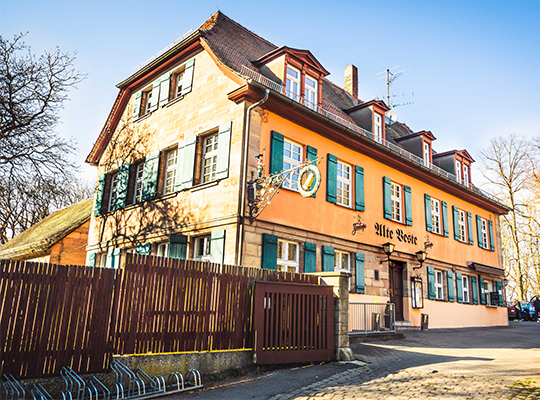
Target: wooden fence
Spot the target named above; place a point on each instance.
(54, 316)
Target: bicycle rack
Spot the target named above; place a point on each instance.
(12, 389)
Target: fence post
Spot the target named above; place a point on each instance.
(340, 281)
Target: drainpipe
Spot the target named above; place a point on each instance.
(240, 236)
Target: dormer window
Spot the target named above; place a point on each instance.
(293, 83)
(377, 128)
(310, 93)
(458, 171)
(466, 175)
(426, 154)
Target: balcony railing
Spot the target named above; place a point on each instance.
(279, 88)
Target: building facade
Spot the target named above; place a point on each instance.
(197, 142)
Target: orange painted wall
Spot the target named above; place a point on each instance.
(316, 214)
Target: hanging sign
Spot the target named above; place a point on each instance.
(309, 180)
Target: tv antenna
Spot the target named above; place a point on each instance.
(390, 78)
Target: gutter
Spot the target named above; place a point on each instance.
(245, 155)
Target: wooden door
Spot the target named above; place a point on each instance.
(396, 288)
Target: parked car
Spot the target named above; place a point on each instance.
(511, 312)
(528, 310)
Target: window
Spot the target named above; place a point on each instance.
(458, 171)
(288, 256)
(162, 250)
(462, 228)
(376, 275)
(112, 191)
(137, 188)
(377, 128)
(466, 175)
(201, 249)
(310, 93)
(343, 184)
(177, 81)
(209, 158)
(341, 262)
(485, 241)
(436, 216)
(426, 154)
(465, 283)
(396, 209)
(171, 162)
(293, 83)
(439, 285)
(146, 102)
(292, 157)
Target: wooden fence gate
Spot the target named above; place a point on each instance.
(293, 323)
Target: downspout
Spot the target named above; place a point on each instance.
(240, 235)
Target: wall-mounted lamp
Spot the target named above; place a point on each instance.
(388, 249)
(505, 282)
(421, 256)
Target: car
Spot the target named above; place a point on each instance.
(511, 312)
(527, 309)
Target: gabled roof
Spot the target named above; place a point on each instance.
(463, 153)
(427, 134)
(36, 240)
(378, 103)
(304, 55)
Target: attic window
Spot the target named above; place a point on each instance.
(458, 171)
(293, 83)
(310, 93)
(377, 128)
(426, 154)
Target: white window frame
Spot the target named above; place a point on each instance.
(162, 249)
(283, 262)
(292, 84)
(202, 247)
(426, 154)
(485, 236)
(137, 187)
(396, 202)
(439, 285)
(338, 263)
(112, 191)
(310, 93)
(458, 171)
(466, 175)
(210, 156)
(289, 161)
(103, 260)
(343, 183)
(465, 285)
(177, 83)
(147, 101)
(435, 216)
(377, 128)
(462, 226)
(169, 177)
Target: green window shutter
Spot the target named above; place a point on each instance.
(179, 158)
(187, 163)
(99, 194)
(331, 178)
(431, 283)
(427, 209)
(269, 251)
(491, 242)
(276, 153)
(450, 285)
(327, 258)
(187, 83)
(144, 249)
(444, 207)
(165, 88)
(459, 287)
(387, 198)
(150, 176)
(91, 259)
(359, 273)
(311, 155)
(137, 105)
(122, 186)
(224, 147)
(178, 246)
(408, 205)
(469, 228)
(481, 290)
(474, 290)
(479, 231)
(499, 290)
(217, 246)
(310, 257)
(359, 203)
(455, 219)
(156, 85)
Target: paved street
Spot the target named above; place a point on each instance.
(470, 363)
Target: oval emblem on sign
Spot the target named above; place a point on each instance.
(309, 180)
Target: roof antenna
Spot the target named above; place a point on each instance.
(390, 78)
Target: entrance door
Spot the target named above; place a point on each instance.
(396, 287)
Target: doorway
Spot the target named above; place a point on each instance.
(396, 287)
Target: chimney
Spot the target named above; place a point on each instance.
(351, 81)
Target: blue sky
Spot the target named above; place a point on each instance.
(472, 65)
